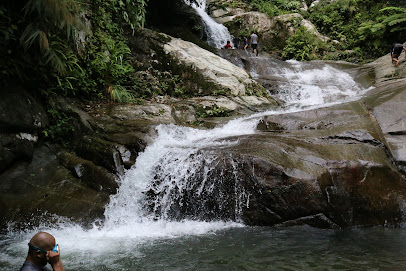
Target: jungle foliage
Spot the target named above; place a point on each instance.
(275, 7)
(364, 29)
(48, 44)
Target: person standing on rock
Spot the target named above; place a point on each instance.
(397, 49)
(245, 42)
(254, 43)
(42, 250)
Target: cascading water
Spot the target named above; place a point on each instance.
(167, 192)
(173, 167)
(217, 34)
(177, 167)
(310, 84)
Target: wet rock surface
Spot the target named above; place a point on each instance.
(348, 179)
(36, 190)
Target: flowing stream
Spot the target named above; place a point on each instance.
(131, 238)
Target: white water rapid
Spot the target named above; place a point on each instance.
(308, 84)
(217, 34)
(173, 158)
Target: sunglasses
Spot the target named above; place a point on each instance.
(55, 249)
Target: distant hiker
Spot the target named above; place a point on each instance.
(236, 42)
(254, 43)
(245, 42)
(228, 45)
(397, 49)
(42, 250)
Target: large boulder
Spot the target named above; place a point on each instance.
(388, 110)
(214, 68)
(39, 180)
(20, 111)
(335, 160)
(22, 119)
(273, 32)
(326, 168)
(43, 187)
(386, 103)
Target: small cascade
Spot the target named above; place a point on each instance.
(304, 84)
(300, 84)
(179, 177)
(217, 34)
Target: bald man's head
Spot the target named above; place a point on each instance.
(42, 250)
(39, 245)
(43, 240)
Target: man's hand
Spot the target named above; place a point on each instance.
(54, 260)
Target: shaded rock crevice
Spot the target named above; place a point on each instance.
(354, 137)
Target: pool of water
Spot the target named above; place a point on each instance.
(238, 248)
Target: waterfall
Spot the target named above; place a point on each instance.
(174, 168)
(175, 177)
(217, 34)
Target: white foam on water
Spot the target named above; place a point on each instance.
(307, 86)
(97, 245)
(318, 86)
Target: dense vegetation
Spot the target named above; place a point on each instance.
(49, 47)
(364, 29)
(48, 44)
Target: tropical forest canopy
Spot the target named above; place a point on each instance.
(81, 47)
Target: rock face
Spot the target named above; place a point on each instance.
(37, 189)
(216, 69)
(332, 163)
(21, 119)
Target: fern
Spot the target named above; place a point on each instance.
(399, 18)
(121, 94)
(51, 17)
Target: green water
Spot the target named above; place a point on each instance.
(246, 248)
(278, 249)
